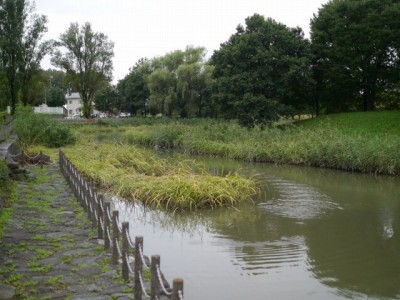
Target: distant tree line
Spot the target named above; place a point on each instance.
(264, 71)
(267, 70)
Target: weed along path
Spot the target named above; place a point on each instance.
(49, 249)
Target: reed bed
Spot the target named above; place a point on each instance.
(362, 142)
(139, 175)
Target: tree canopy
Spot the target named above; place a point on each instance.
(356, 52)
(21, 48)
(261, 72)
(87, 61)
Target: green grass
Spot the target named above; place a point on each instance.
(138, 174)
(365, 123)
(363, 142)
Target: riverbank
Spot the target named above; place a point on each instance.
(49, 250)
(362, 142)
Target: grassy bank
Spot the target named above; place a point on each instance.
(364, 142)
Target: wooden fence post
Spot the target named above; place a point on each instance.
(107, 209)
(155, 284)
(125, 251)
(93, 203)
(138, 267)
(100, 233)
(115, 237)
(177, 287)
(41, 159)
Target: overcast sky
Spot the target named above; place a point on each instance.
(149, 28)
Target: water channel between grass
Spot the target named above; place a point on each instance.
(313, 234)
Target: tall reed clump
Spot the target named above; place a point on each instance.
(137, 174)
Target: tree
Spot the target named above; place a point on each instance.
(355, 45)
(179, 83)
(107, 100)
(88, 61)
(11, 31)
(133, 89)
(21, 31)
(261, 72)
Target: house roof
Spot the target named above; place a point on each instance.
(73, 96)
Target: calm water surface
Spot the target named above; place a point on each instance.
(312, 234)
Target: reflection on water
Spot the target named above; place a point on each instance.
(297, 201)
(313, 233)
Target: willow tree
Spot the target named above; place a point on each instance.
(87, 61)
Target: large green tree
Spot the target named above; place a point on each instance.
(87, 62)
(11, 31)
(21, 48)
(179, 83)
(133, 90)
(356, 52)
(262, 72)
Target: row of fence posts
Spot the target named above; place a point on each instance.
(114, 234)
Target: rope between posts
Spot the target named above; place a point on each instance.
(118, 249)
(101, 206)
(14, 155)
(161, 282)
(102, 224)
(32, 157)
(95, 215)
(118, 225)
(108, 234)
(142, 285)
(128, 238)
(108, 214)
(142, 258)
(90, 207)
(127, 262)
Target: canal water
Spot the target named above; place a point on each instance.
(311, 234)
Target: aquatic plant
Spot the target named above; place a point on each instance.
(139, 175)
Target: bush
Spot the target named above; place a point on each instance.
(4, 178)
(34, 129)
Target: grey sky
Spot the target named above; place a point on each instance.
(149, 28)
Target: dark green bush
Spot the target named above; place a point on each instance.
(34, 129)
(3, 174)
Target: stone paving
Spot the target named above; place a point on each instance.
(49, 250)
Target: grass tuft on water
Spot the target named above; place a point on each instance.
(138, 174)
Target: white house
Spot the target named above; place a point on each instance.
(73, 107)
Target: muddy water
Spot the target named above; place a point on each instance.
(312, 234)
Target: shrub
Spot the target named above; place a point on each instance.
(34, 129)
(3, 174)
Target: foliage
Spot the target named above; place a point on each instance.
(21, 31)
(4, 174)
(34, 129)
(56, 97)
(365, 142)
(176, 84)
(137, 174)
(133, 88)
(260, 71)
(355, 46)
(106, 99)
(88, 61)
